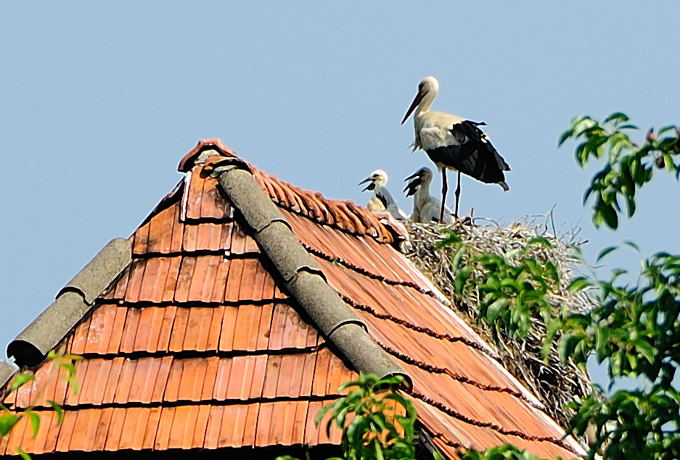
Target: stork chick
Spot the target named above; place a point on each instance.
(452, 142)
(426, 208)
(382, 200)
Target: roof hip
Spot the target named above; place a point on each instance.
(301, 275)
(72, 302)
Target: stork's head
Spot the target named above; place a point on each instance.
(377, 178)
(427, 90)
(415, 180)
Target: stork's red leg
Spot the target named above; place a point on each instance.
(445, 189)
(455, 213)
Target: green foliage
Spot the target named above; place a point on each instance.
(632, 424)
(371, 428)
(635, 330)
(503, 452)
(9, 418)
(377, 422)
(513, 288)
(627, 165)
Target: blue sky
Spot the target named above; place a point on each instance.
(99, 103)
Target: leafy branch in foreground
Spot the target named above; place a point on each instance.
(377, 422)
(513, 289)
(627, 166)
(382, 420)
(9, 418)
(635, 330)
(503, 452)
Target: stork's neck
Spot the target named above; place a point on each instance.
(423, 192)
(426, 103)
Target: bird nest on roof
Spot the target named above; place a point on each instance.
(554, 382)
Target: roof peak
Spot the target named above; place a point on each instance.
(342, 214)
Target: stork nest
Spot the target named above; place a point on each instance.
(553, 381)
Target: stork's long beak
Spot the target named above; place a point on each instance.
(414, 104)
(415, 174)
(412, 187)
(368, 187)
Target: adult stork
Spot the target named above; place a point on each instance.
(426, 208)
(381, 200)
(452, 142)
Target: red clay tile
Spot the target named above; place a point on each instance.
(208, 386)
(194, 194)
(185, 278)
(151, 427)
(125, 381)
(219, 286)
(80, 338)
(134, 284)
(66, 431)
(239, 378)
(200, 426)
(165, 422)
(198, 323)
(84, 430)
(166, 327)
(162, 378)
(203, 278)
(264, 423)
(140, 241)
(179, 328)
(120, 285)
(112, 382)
(213, 427)
(222, 379)
(193, 372)
(127, 343)
(161, 231)
(228, 328)
(173, 381)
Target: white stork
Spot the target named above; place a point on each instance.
(454, 143)
(426, 208)
(381, 200)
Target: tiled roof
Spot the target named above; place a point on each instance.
(198, 345)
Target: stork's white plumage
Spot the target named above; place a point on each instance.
(381, 200)
(452, 142)
(426, 208)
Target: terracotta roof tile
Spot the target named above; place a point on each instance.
(197, 345)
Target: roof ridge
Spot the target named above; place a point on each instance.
(301, 276)
(344, 215)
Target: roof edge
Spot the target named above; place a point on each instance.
(73, 301)
(187, 162)
(7, 371)
(301, 276)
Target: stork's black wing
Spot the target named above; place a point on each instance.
(472, 154)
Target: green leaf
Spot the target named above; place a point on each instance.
(20, 380)
(23, 454)
(564, 136)
(7, 421)
(631, 244)
(617, 116)
(35, 421)
(610, 217)
(645, 349)
(605, 252)
(495, 308)
(540, 241)
(578, 284)
(58, 410)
